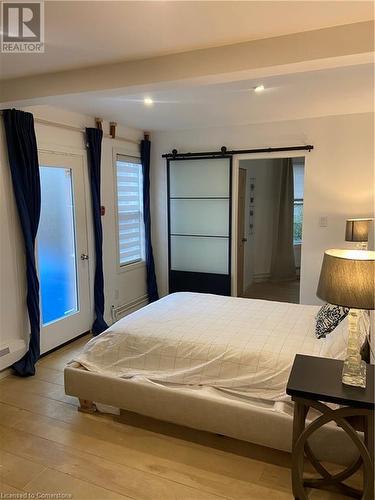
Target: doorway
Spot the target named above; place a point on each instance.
(269, 228)
(62, 250)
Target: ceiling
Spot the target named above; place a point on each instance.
(341, 90)
(85, 33)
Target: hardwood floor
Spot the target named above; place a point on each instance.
(48, 447)
(287, 291)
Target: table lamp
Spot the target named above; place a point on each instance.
(357, 230)
(347, 279)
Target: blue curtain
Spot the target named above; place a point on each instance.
(24, 167)
(94, 138)
(152, 287)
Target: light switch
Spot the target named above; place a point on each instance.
(323, 221)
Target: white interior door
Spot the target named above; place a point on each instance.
(62, 250)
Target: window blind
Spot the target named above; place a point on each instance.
(129, 209)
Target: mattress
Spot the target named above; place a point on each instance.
(241, 346)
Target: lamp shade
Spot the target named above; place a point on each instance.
(347, 278)
(357, 230)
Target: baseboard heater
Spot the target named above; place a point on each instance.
(11, 352)
(118, 312)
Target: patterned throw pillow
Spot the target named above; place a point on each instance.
(328, 317)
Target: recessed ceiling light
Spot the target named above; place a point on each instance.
(259, 88)
(148, 101)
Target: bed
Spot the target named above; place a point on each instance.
(209, 362)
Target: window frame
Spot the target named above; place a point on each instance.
(121, 268)
(298, 201)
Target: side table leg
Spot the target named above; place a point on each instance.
(369, 442)
(299, 417)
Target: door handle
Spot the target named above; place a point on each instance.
(84, 256)
(244, 240)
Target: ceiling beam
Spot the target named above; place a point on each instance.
(317, 46)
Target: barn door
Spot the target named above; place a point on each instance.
(199, 202)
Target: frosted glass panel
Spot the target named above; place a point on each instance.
(56, 245)
(199, 178)
(202, 217)
(206, 255)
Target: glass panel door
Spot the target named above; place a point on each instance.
(62, 250)
(56, 245)
(199, 225)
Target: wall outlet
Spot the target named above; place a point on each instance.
(323, 221)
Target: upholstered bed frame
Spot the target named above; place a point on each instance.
(233, 418)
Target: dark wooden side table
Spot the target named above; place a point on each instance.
(316, 380)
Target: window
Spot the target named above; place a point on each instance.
(130, 209)
(298, 171)
(297, 221)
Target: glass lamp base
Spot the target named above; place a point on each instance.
(354, 373)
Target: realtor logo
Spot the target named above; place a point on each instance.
(22, 27)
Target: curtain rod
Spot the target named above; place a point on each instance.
(224, 152)
(41, 121)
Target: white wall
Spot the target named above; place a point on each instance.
(12, 262)
(120, 287)
(339, 179)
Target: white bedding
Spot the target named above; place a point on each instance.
(243, 346)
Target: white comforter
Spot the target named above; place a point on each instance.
(238, 345)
